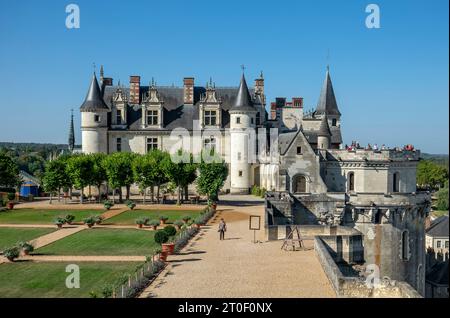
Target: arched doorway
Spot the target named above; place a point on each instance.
(299, 184)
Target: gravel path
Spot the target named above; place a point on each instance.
(55, 236)
(236, 267)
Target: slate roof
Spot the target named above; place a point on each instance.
(311, 136)
(285, 140)
(324, 130)
(439, 227)
(176, 114)
(438, 274)
(327, 101)
(243, 101)
(94, 100)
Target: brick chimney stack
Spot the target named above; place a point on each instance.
(259, 88)
(135, 84)
(297, 102)
(188, 90)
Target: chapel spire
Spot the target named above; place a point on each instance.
(327, 101)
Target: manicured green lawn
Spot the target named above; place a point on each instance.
(129, 217)
(39, 280)
(38, 216)
(98, 241)
(439, 213)
(10, 236)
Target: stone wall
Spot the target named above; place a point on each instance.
(355, 287)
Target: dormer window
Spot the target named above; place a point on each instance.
(152, 117)
(118, 117)
(210, 117)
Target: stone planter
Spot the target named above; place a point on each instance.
(154, 227)
(163, 256)
(10, 205)
(139, 226)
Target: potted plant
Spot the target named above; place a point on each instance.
(107, 204)
(90, 221)
(11, 253)
(178, 224)
(186, 219)
(161, 238)
(69, 218)
(170, 245)
(130, 204)
(98, 219)
(141, 222)
(163, 219)
(154, 224)
(198, 222)
(11, 196)
(26, 247)
(59, 222)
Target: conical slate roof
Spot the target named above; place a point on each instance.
(71, 134)
(94, 100)
(243, 100)
(327, 101)
(324, 129)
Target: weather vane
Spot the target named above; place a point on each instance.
(243, 68)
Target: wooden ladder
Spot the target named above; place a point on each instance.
(291, 241)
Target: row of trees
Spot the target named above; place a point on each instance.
(431, 175)
(123, 169)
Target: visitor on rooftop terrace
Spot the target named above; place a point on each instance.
(383, 147)
(375, 147)
(369, 147)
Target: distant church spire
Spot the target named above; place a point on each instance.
(71, 133)
(327, 101)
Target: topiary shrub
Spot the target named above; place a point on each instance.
(107, 204)
(163, 219)
(11, 253)
(161, 237)
(170, 230)
(11, 196)
(186, 218)
(59, 221)
(154, 224)
(178, 224)
(90, 221)
(26, 247)
(69, 218)
(130, 204)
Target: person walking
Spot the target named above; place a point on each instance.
(222, 229)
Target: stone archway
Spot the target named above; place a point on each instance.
(299, 184)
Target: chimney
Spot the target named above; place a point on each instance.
(297, 102)
(188, 90)
(135, 84)
(273, 110)
(259, 88)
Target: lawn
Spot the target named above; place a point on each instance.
(38, 280)
(38, 216)
(98, 241)
(438, 213)
(10, 236)
(129, 217)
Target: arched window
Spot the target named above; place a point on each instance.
(351, 181)
(299, 184)
(405, 245)
(396, 182)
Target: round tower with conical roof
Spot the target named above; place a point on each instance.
(243, 148)
(324, 134)
(94, 120)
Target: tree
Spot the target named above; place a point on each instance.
(181, 173)
(55, 177)
(9, 172)
(119, 170)
(160, 160)
(212, 178)
(143, 170)
(79, 169)
(98, 171)
(442, 198)
(430, 174)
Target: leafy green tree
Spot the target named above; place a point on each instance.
(9, 172)
(98, 176)
(79, 169)
(442, 198)
(430, 174)
(212, 178)
(119, 170)
(143, 170)
(181, 173)
(56, 177)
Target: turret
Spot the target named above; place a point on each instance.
(94, 120)
(242, 126)
(324, 134)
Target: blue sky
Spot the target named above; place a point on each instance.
(391, 83)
